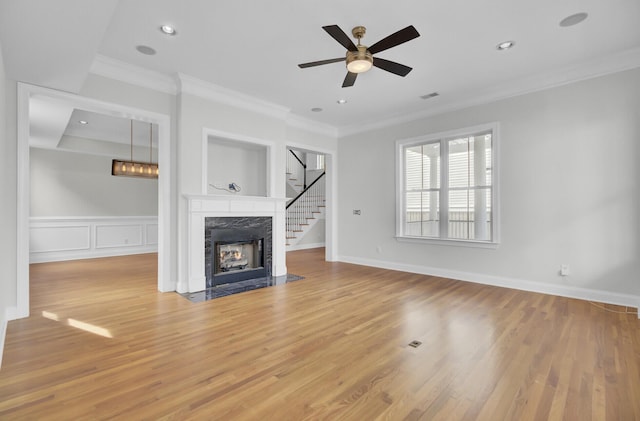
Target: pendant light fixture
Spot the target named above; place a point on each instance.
(136, 168)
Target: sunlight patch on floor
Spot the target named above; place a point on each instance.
(87, 327)
(51, 316)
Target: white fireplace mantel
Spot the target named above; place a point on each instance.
(201, 207)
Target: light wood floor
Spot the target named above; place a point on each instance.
(102, 343)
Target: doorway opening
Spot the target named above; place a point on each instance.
(309, 189)
(29, 98)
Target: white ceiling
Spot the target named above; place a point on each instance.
(253, 47)
(108, 128)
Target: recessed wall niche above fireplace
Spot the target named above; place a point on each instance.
(237, 249)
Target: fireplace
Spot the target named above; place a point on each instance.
(209, 212)
(237, 249)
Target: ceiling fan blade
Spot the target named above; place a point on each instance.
(339, 35)
(397, 38)
(321, 62)
(392, 66)
(349, 80)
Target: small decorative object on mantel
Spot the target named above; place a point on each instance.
(233, 188)
(136, 168)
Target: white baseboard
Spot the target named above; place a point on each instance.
(587, 294)
(4, 318)
(11, 313)
(305, 246)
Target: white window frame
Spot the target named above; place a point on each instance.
(443, 138)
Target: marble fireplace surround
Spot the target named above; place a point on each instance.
(253, 229)
(201, 207)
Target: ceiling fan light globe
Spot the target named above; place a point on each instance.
(359, 66)
(359, 61)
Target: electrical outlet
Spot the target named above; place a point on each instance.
(564, 269)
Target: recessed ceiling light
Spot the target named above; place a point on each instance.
(341, 101)
(316, 109)
(168, 30)
(573, 19)
(83, 122)
(505, 45)
(146, 50)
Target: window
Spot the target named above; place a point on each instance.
(320, 162)
(446, 187)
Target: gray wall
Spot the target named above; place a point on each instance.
(77, 184)
(569, 189)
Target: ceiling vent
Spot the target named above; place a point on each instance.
(431, 95)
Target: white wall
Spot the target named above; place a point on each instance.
(197, 114)
(77, 184)
(570, 191)
(315, 236)
(115, 91)
(237, 162)
(7, 210)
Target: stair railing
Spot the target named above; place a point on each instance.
(293, 166)
(305, 205)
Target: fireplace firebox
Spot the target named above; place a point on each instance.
(237, 249)
(239, 255)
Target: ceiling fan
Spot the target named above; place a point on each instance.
(360, 58)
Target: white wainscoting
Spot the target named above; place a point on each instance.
(70, 238)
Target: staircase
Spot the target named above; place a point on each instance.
(307, 207)
(305, 211)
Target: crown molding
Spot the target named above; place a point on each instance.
(135, 75)
(118, 70)
(206, 90)
(182, 83)
(299, 122)
(584, 70)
